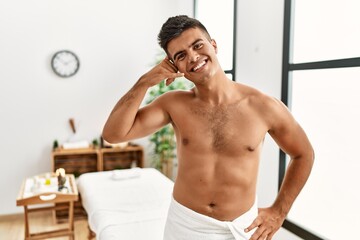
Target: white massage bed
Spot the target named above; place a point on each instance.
(127, 204)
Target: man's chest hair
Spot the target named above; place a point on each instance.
(225, 125)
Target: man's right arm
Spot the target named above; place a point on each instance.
(127, 121)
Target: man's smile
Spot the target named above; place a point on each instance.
(199, 66)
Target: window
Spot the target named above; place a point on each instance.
(219, 18)
(325, 30)
(321, 69)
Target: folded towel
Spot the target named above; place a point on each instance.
(74, 145)
(126, 174)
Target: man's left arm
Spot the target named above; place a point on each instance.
(292, 139)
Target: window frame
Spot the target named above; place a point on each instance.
(287, 69)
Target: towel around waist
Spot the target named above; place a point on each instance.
(196, 222)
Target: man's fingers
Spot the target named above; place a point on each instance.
(179, 74)
(169, 81)
(253, 225)
(170, 64)
(267, 223)
(264, 235)
(258, 234)
(172, 79)
(269, 237)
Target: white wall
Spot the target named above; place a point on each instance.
(259, 63)
(116, 41)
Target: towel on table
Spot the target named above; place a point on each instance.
(183, 224)
(126, 174)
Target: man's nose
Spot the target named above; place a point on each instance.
(193, 56)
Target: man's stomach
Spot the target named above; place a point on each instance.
(222, 189)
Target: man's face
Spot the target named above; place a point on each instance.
(194, 54)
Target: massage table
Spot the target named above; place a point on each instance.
(130, 204)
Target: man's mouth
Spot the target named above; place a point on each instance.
(200, 65)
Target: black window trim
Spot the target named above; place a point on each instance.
(287, 69)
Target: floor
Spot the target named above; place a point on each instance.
(12, 226)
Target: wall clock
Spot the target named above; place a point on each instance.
(65, 63)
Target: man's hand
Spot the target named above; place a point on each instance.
(164, 70)
(267, 223)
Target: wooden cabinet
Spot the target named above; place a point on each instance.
(117, 158)
(79, 161)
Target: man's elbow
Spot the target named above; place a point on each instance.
(309, 157)
(312, 156)
(110, 137)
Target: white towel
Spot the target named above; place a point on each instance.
(116, 208)
(76, 145)
(183, 224)
(126, 174)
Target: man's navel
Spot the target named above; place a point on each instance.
(212, 205)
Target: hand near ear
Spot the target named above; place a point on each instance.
(164, 70)
(172, 65)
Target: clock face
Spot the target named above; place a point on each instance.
(65, 63)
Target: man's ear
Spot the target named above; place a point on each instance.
(213, 43)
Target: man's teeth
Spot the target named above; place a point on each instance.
(199, 66)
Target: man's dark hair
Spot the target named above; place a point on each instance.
(174, 26)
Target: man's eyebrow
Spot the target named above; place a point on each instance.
(179, 52)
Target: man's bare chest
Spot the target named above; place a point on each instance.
(219, 128)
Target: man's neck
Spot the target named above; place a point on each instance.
(215, 91)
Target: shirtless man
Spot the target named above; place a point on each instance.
(220, 127)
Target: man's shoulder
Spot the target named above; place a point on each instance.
(252, 93)
(258, 99)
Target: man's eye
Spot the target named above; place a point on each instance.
(180, 57)
(198, 46)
